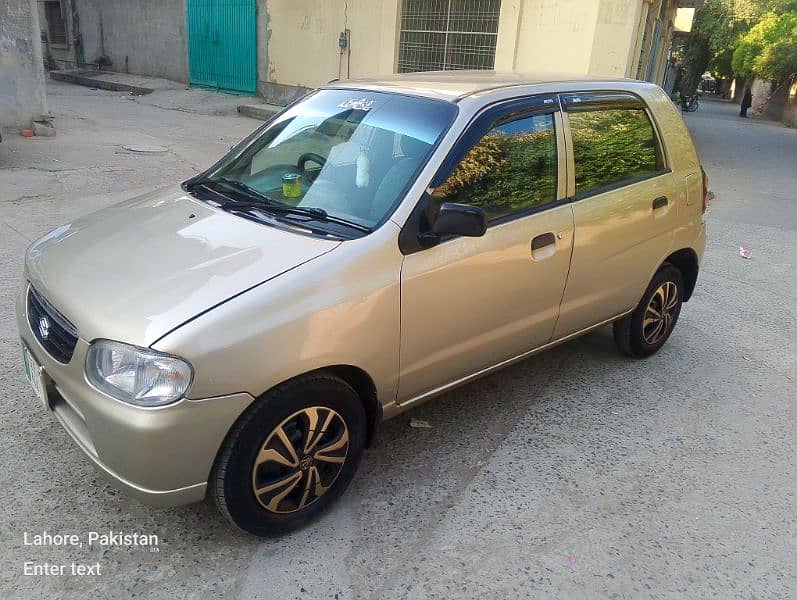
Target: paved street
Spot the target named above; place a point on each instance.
(575, 474)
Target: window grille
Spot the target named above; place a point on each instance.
(441, 35)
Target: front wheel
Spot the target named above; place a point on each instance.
(645, 330)
(291, 455)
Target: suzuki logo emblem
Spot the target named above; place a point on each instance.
(44, 327)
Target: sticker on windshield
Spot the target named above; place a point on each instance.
(363, 104)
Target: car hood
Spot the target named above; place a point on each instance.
(136, 271)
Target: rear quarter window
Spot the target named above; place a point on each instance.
(612, 146)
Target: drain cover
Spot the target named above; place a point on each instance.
(145, 149)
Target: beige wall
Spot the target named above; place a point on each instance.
(540, 36)
(615, 44)
(303, 39)
(599, 37)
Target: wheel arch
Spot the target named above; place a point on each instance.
(685, 260)
(357, 378)
(361, 382)
(364, 385)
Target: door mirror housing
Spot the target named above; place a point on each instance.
(455, 219)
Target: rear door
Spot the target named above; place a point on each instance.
(472, 302)
(623, 204)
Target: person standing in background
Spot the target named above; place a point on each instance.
(747, 101)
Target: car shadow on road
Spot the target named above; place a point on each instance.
(407, 481)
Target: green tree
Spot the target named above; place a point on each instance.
(716, 29)
(741, 38)
(769, 49)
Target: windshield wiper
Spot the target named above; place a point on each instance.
(263, 202)
(275, 207)
(314, 212)
(247, 189)
(246, 212)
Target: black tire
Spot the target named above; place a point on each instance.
(235, 475)
(637, 341)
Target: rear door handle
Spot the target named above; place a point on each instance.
(660, 202)
(543, 246)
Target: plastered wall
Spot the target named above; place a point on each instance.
(152, 34)
(302, 35)
(300, 38)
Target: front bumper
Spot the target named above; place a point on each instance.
(163, 456)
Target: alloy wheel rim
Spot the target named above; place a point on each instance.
(300, 460)
(660, 313)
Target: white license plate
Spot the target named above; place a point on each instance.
(33, 373)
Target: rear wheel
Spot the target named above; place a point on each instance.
(291, 455)
(645, 330)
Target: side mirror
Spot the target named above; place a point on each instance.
(455, 219)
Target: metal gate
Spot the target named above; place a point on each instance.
(222, 44)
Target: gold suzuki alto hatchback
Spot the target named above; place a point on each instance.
(373, 245)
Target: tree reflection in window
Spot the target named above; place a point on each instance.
(510, 169)
(610, 146)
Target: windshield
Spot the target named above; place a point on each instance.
(349, 153)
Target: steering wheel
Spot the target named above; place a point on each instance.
(309, 156)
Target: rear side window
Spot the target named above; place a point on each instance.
(510, 170)
(612, 146)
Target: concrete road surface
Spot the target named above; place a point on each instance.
(576, 474)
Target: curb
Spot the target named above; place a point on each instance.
(99, 83)
(254, 111)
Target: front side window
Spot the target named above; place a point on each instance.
(611, 146)
(509, 170)
(347, 154)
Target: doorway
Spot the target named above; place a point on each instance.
(222, 44)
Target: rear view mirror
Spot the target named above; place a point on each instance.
(455, 219)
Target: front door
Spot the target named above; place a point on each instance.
(222, 44)
(470, 303)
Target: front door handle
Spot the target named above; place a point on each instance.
(543, 246)
(660, 202)
(542, 240)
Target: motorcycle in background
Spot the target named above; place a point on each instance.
(689, 103)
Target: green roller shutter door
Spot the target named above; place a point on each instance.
(222, 44)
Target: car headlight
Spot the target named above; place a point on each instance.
(136, 375)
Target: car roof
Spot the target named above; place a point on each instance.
(456, 85)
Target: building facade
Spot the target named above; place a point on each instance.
(22, 88)
(148, 37)
(279, 48)
(58, 24)
(310, 43)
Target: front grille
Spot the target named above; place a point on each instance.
(54, 331)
